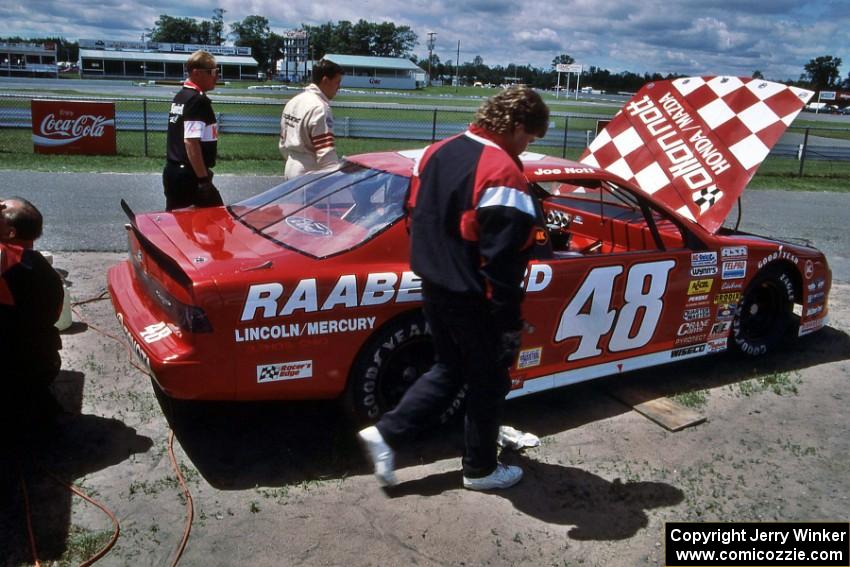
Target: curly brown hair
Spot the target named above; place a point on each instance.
(514, 105)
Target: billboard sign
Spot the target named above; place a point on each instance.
(564, 68)
(73, 127)
(826, 95)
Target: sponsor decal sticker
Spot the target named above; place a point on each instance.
(137, 348)
(698, 299)
(692, 328)
(689, 340)
(309, 226)
(733, 252)
(732, 285)
(720, 329)
(734, 270)
(816, 297)
(814, 310)
(809, 269)
(312, 328)
(725, 312)
(671, 127)
(529, 358)
(560, 171)
(812, 326)
(284, 371)
(272, 299)
(155, 332)
(699, 286)
(703, 271)
(817, 284)
(727, 298)
(704, 259)
(694, 314)
(717, 345)
(687, 351)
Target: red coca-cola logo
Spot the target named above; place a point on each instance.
(73, 127)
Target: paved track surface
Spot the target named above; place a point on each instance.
(82, 210)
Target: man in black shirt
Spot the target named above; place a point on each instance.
(31, 295)
(192, 139)
(473, 222)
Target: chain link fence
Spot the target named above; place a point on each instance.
(249, 130)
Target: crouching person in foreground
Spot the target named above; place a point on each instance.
(472, 226)
(31, 295)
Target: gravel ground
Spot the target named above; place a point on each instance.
(285, 483)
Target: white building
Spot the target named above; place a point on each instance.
(152, 60)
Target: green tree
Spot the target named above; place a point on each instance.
(363, 38)
(393, 41)
(168, 29)
(218, 26)
(562, 59)
(360, 41)
(254, 32)
(757, 74)
(822, 72)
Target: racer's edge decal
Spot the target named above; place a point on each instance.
(284, 371)
(269, 300)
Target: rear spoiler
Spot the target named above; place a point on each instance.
(168, 264)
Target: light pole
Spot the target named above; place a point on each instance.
(431, 43)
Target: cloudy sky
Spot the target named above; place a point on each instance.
(776, 37)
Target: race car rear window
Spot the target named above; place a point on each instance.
(325, 213)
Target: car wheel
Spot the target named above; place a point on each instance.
(399, 353)
(765, 314)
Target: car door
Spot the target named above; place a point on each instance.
(612, 305)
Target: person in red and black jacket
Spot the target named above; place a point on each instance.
(192, 141)
(31, 295)
(472, 222)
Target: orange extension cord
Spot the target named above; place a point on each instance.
(76, 490)
(190, 507)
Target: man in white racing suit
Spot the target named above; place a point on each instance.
(306, 125)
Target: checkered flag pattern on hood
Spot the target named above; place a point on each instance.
(694, 143)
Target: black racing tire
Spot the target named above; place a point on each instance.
(765, 315)
(395, 357)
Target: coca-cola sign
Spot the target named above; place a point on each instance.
(72, 127)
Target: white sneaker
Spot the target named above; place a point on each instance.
(381, 455)
(505, 476)
(511, 438)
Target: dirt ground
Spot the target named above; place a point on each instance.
(286, 484)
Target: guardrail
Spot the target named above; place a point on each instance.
(428, 130)
(395, 122)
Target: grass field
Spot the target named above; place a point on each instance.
(248, 154)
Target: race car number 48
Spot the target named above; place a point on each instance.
(598, 288)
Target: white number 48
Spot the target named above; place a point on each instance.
(598, 289)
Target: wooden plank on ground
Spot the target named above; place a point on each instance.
(662, 410)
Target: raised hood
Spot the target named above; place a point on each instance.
(694, 143)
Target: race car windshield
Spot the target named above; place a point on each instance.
(325, 213)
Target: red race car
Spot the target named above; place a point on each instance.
(305, 291)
